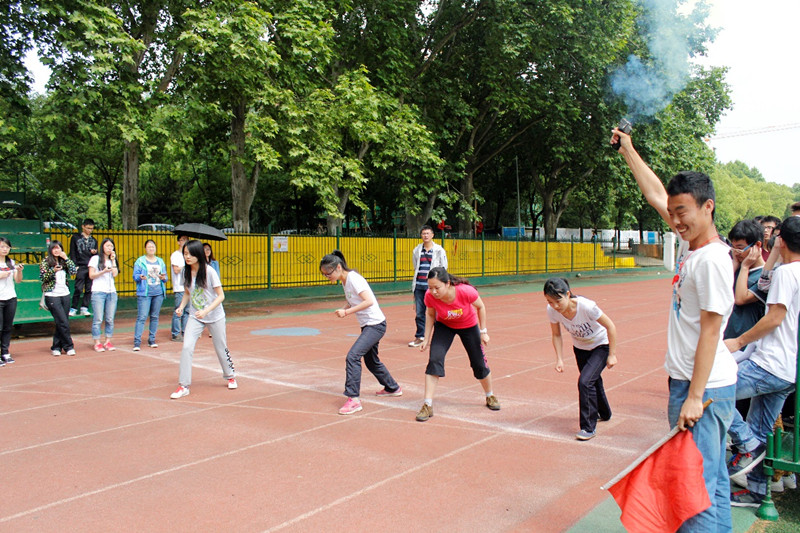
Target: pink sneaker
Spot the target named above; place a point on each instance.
(110, 347)
(384, 392)
(352, 405)
(180, 392)
(98, 347)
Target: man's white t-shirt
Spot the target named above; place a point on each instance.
(777, 352)
(353, 286)
(104, 282)
(586, 332)
(704, 278)
(176, 259)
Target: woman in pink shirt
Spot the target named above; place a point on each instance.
(454, 308)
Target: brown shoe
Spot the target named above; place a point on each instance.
(493, 403)
(425, 413)
(416, 342)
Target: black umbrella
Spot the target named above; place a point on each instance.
(200, 231)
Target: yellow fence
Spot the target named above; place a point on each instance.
(257, 261)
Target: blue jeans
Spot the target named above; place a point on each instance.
(419, 301)
(767, 393)
(366, 348)
(709, 436)
(147, 306)
(179, 322)
(104, 307)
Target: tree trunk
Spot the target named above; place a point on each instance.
(243, 186)
(130, 186)
(415, 222)
(467, 189)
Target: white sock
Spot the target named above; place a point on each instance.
(429, 402)
(490, 393)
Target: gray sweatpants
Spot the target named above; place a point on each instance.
(194, 330)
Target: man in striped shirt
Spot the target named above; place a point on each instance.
(426, 256)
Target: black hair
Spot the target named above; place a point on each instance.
(195, 249)
(331, 261)
(211, 256)
(758, 218)
(101, 253)
(87, 222)
(9, 261)
(424, 227)
(179, 236)
(795, 207)
(790, 234)
(150, 240)
(770, 218)
(696, 184)
(52, 260)
(557, 288)
(444, 276)
(747, 230)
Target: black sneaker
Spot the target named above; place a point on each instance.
(745, 498)
(742, 463)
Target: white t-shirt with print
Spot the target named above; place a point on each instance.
(60, 288)
(176, 259)
(587, 333)
(104, 282)
(7, 287)
(777, 352)
(354, 285)
(704, 281)
(201, 297)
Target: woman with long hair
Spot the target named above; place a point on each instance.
(150, 274)
(204, 296)
(454, 308)
(102, 271)
(10, 273)
(54, 270)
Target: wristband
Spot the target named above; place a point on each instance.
(484, 331)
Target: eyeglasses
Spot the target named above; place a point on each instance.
(743, 250)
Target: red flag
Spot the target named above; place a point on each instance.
(665, 490)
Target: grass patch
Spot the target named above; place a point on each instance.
(788, 505)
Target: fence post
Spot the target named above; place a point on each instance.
(546, 253)
(483, 254)
(594, 255)
(338, 236)
(613, 255)
(518, 232)
(269, 255)
(572, 253)
(394, 253)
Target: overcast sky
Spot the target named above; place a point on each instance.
(759, 42)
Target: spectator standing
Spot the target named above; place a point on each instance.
(769, 223)
(82, 246)
(10, 274)
(177, 263)
(426, 255)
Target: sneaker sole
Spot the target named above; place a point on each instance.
(742, 504)
(584, 438)
(384, 394)
(178, 396)
(425, 418)
(350, 412)
(740, 480)
(749, 468)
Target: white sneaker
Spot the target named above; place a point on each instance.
(136, 348)
(416, 342)
(232, 384)
(73, 312)
(55, 352)
(776, 486)
(85, 311)
(180, 392)
(71, 352)
(790, 481)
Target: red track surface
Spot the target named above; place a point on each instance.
(93, 442)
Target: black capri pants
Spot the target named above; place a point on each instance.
(443, 336)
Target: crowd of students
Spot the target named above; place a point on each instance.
(198, 296)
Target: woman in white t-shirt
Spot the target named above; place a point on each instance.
(202, 293)
(362, 303)
(102, 271)
(594, 341)
(53, 272)
(10, 273)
